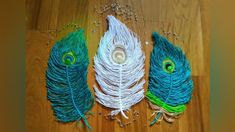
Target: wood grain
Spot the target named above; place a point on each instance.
(188, 18)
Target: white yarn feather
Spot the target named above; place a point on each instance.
(119, 66)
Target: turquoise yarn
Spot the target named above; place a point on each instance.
(66, 81)
(169, 76)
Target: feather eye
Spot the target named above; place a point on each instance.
(119, 55)
(119, 66)
(170, 85)
(168, 65)
(69, 58)
(66, 81)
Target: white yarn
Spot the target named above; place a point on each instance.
(119, 66)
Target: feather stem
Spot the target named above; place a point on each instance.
(120, 92)
(72, 97)
(164, 103)
(156, 118)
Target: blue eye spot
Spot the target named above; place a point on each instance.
(168, 65)
(69, 58)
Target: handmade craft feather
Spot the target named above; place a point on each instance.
(119, 66)
(66, 81)
(170, 85)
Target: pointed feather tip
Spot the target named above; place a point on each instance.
(109, 17)
(73, 34)
(112, 20)
(156, 36)
(78, 32)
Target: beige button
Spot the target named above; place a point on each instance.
(119, 55)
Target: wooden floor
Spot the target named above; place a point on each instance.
(187, 18)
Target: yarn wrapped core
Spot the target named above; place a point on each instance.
(168, 65)
(119, 55)
(69, 58)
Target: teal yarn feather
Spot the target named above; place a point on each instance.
(66, 78)
(170, 84)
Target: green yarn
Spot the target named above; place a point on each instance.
(172, 109)
(168, 65)
(69, 58)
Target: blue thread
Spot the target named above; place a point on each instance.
(178, 89)
(156, 118)
(74, 104)
(165, 102)
(66, 83)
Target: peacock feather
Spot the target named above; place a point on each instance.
(119, 66)
(66, 81)
(170, 84)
